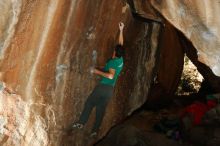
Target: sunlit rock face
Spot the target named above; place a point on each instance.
(15, 115)
(200, 23)
(46, 50)
(9, 18)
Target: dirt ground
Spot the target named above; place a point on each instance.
(139, 129)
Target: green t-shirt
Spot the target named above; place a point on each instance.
(117, 65)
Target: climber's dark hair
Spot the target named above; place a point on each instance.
(119, 51)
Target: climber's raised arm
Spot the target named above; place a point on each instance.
(121, 38)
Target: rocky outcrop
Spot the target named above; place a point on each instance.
(171, 53)
(211, 79)
(198, 28)
(48, 47)
(46, 51)
(199, 22)
(170, 64)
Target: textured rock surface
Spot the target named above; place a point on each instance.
(48, 46)
(46, 50)
(171, 62)
(205, 71)
(200, 23)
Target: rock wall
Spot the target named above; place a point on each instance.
(171, 56)
(46, 50)
(170, 64)
(199, 21)
(212, 80)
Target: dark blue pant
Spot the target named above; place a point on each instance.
(98, 98)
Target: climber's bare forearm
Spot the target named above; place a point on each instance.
(109, 74)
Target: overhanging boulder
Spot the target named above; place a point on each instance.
(200, 23)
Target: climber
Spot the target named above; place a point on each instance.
(104, 90)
